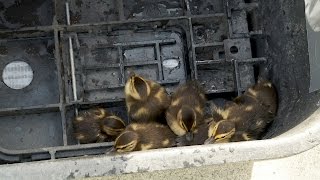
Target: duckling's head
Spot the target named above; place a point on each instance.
(113, 125)
(126, 142)
(86, 132)
(220, 132)
(187, 120)
(95, 113)
(137, 88)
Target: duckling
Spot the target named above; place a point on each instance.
(247, 117)
(87, 126)
(201, 134)
(94, 113)
(112, 126)
(87, 130)
(229, 131)
(263, 93)
(186, 110)
(146, 100)
(144, 136)
(220, 132)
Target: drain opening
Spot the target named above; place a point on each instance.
(234, 49)
(17, 75)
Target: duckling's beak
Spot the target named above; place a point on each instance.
(132, 74)
(189, 136)
(210, 140)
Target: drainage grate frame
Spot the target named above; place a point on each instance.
(167, 41)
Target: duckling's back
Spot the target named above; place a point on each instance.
(251, 119)
(87, 129)
(153, 108)
(152, 135)
(264, 93)
(190, 94)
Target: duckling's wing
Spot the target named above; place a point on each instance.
(239, 100)
(257, 128)
(242, 136)
(214, 110)
(230, 104)
(155, 135)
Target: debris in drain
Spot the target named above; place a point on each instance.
(188, 121)
(170, 63)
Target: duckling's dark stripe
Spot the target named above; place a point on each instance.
(141, 86)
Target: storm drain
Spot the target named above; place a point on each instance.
(81, 54)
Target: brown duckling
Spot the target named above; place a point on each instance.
(263, 93)
(87, 126)
(201, 133)
(229, 131)
(112, 126)
(186, 110)
(95, 113)
(146, 100)
(246, 118)
(220, 132)
(144, 136)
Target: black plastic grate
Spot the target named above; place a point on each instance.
(104, 62)
(164, 40)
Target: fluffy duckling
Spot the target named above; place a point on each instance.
(112, 126)
(186, 110)
(144, 136)
(212, 115)
(246, 118)
(87, 126)
(94, 113)
(221, 132)
(263, 93)
(146, 100)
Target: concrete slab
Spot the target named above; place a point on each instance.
(226, 171)
(302, 166)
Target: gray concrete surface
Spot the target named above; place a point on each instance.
(227, 171)
(314, 58)
(304, 166)
(299, 167)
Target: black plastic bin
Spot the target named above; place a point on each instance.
(222, 43)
